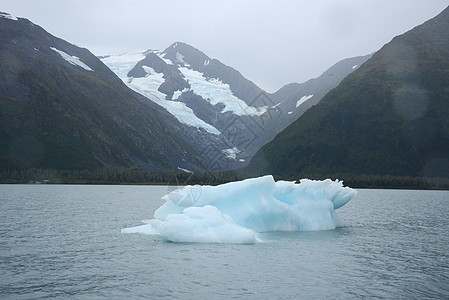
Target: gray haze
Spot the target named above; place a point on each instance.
(270, 42)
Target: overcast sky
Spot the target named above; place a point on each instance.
(271, 43)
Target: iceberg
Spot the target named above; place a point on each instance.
(237, 212)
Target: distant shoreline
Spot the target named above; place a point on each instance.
(163, 178)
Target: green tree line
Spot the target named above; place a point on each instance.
(133, 176)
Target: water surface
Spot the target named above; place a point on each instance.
(60, 241)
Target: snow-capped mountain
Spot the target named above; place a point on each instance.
(173, 77)
(179, 108)
(200, 92)
(62, 108)
(233, 116)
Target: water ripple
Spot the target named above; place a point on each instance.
(64, 242)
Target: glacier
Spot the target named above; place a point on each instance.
(212, 90)
(215, 91)
(237, 212)
(148, 86)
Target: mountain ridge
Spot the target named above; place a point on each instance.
(168, 110)
(387, 118)
(212, 97)
(57, 114)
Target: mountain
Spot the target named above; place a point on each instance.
(233, 116)
(389, 117)
(62, 108)
(307, 94)
(295, 98)
(201, 93)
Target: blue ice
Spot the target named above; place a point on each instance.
(236, 212)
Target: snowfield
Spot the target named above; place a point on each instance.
(215, 91)
(212, 90)
(148, 86)
(72, 59)
(123, 63)
(303, 99)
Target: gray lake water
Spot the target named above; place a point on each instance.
(64, 242)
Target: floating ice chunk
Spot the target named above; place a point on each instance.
(202, 225)
(303, 99)
(72, 59)
(146, 229)
(235, 212)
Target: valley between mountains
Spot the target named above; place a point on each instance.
(179, 110)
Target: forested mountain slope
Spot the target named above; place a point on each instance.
(389, 117)
(62, 108)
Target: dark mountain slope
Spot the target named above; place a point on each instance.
(62, 108)
(296, 98)
(390, 117)
(318, 87)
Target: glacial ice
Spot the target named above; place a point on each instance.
(148, 86)
(215, 91)
(236, 212)
(121, 64)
